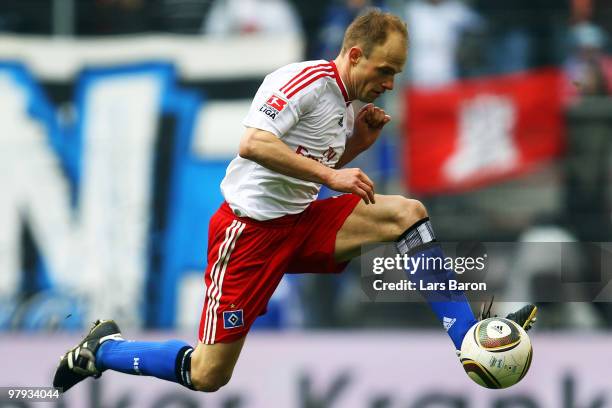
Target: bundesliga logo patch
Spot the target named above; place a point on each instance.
(273, 106)
(232, 319)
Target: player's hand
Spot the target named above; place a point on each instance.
(353, 181)
(368, 124)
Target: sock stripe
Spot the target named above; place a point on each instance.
(426, 232)
(413, 227)
(183, 366)
(417, 236)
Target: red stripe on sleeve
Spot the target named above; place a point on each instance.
(306, 77)
(310, 81)
(303, 73)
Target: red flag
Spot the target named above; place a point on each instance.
(480, 131)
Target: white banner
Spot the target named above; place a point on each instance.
(196, 57)
(336, 370)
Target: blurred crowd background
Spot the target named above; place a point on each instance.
(565, 197)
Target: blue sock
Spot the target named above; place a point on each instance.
(451, 307)
(169, 360)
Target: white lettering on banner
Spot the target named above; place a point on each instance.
(485, 141)
(118, 154)
(100, 249)
(33, 188)
(348, 369)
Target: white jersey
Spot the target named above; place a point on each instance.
(306, 105)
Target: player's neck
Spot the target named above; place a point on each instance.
(343, 67)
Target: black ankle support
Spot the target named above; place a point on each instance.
(183, 367)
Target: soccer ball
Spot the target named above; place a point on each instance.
(496, 353)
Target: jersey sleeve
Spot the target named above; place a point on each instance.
(273, 111)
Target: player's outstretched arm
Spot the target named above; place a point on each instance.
(269, 151)
(368, 125)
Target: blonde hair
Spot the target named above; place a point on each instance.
(370, 29)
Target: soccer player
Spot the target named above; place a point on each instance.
(301, 131)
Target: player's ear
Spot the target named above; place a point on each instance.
(355, 55)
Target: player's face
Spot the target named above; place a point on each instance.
(374, 75)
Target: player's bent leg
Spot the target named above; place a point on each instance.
(207, 368)
(212, 365)
(405, 222)
(384, 221)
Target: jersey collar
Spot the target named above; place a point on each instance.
(339, 82)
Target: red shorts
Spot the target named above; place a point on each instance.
(248, 258)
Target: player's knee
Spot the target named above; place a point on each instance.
(211, 379)
(409, 212)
